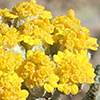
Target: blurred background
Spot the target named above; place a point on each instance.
(88, 11)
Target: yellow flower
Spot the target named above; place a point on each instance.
(92, 43)
(73, 89)
(8, 36)
(69, 88)
(73, 69)
(27, 29)
(38, 70)
(31, 10)
(5, 13)
(9, 62)
(52, 83)
(36, 31)
(71, 13)
(10, 87)
(34, 1)
(48, 88)
(1, 73)
(61, 87)
(69, 33)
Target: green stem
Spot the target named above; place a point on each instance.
(94, 91)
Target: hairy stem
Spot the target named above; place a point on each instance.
(94, 91)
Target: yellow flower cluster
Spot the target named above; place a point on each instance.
(10, 82)
(36, 31)
(5, 13)
(73, 69)
(69, 33)
(10, 87)
(38, 70)
(28, 28)
(8, 36)
(9, 61)
(31, 10)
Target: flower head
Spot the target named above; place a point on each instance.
(26, 35)
(69, 33)
(7, 35)
(38, 70)
(10, 87)
(9, 61)
(73, 69)
(31, 10)
(36, 31)
(6, 16)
